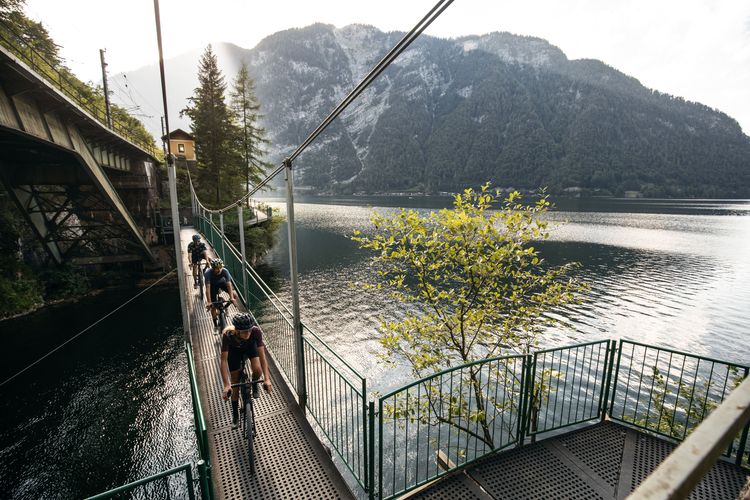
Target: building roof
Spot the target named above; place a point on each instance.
(178, 133)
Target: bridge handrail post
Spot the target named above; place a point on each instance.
(240, 215)
(221, 227)
(301, 387)
(178, 247)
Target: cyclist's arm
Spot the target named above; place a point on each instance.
(208, 292)
(264, 367)
(231, 293)
(225, 372)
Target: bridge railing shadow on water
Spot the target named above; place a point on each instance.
(429, 428)
(66, 83)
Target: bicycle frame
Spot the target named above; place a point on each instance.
(200, 278)
(221, 305)
(248, 423)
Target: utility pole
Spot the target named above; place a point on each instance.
(106, 88)
(163, 134)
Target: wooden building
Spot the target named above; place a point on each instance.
(182, 144)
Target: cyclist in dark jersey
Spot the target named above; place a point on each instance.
(196, 252)
(242, 339)
(218, 279)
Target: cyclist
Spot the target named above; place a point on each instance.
(196, 252)
(242, 339)
(217, 279)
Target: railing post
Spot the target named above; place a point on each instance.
(523, 411)
(242, 252)
(221, 227)
(204, 477)
(365, 436)
(190, 485)
(371, 462)
(612, 385)
(178, 245)
(301, 387)
(743, 438)
(609, 360)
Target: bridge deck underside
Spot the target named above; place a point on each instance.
(605, 460)
(290, 460)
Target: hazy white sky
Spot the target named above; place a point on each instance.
(697, 49)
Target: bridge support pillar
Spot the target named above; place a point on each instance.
(242, 252)
(178, 247)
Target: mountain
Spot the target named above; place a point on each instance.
(453, 113)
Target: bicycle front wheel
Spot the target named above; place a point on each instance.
(249, 431)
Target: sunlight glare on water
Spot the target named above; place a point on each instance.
(670, 272)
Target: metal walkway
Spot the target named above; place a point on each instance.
(606, 460)
(292, 463)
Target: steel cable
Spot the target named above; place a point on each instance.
(397, 50)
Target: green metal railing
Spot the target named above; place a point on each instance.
(670, 392)
(14, 41)
(568, 386)
(150, 480)
(336, 392)
(391, 446)
(461, 414)
(201, 429)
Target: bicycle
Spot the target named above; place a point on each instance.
(222, 305)
(201, 273)
(248, 421)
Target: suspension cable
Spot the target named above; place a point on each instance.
(386, 61)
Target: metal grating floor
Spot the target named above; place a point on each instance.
(292, 463)
(605, 460)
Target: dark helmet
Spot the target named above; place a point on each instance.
(196, 238)
(243, 321)
(217, 264)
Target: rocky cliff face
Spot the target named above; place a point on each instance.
(502, 108)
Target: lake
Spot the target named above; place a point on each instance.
(670, 272)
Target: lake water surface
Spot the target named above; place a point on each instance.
(670, 272)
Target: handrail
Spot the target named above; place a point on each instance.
(448, 370)
(683, 469)
(684, 353)
(169, 472)
(256, 277)
(582, 374)
(65, 85)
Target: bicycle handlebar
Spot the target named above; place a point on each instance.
(249, 382)
(222, 303)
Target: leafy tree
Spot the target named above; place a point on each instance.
(215, 134)
(481, 290)
(246, 109)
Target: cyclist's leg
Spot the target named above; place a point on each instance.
(255, 365)
(234, 376)
(256, 370)
(195, 271)
(214, 311)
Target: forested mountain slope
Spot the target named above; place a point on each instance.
(509, 109)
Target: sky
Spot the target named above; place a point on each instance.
(696, 49)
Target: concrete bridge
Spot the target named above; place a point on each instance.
(88, 191)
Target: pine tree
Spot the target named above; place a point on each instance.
(215, 133)
(246, 108)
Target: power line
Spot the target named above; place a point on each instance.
(131, 86)
(87, 328)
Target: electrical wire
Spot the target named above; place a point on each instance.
(87, 328)
(400, 47)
